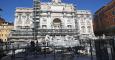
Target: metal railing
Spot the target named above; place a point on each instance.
(43, 53)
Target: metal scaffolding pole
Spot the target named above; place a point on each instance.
(36, 18)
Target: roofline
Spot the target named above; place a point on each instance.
(104, 6)
(100, 9)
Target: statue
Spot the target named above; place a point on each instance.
(47, 38)
(103, 36)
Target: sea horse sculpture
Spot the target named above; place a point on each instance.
(47, 38)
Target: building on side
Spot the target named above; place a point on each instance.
(104, 19)
(23, 18)
(22, 25)
(85, 24)
(54, 23)
(5, 29)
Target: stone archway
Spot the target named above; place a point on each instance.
(57, 23)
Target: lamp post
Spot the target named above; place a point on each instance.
(44, 45)
(90, 43)
(91, 49)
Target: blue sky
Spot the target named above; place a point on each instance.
(9, 6)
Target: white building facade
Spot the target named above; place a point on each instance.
(23, 18)
(60, 24)
(85, 24)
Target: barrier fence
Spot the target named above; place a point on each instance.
(99, 49)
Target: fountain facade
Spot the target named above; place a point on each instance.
(63, 41)
(55, 23)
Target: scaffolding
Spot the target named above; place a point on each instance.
(36, 18)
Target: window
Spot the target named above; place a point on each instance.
(27, 14)
(27, 20)
(36, 18)
(82, 16)
(69, 26)
(44, 26)
(83, 29)
(19, 14)
(113, 12)
(113, 19)
(24, 17)
(88, 22)
(19, 26)
(89, 29)
(68, 20)
(85, 18)
(82, 21)
(5, 39)
(44, 20)
(87, 15)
